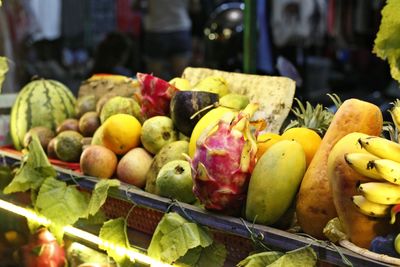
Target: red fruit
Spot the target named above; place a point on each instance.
(223, 162)
(43, 251)
(155, 95)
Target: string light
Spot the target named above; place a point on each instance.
(132, 254)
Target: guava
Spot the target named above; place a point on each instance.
(175, 181)
(157, 132)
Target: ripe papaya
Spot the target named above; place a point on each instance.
(314, 207)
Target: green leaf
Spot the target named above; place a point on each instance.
(32, 224)
(176, 239)
(34, 169)
(212, 256)
(169, 222)
(175, 244)
(6, 176)
(3, 68)
(98, 219)
(260, 259)
(303, 257)
(99, 194)
(114, 231)
(191, 257)
(387, 41)
(58, 231)
(60, 203)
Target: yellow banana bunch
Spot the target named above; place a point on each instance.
(387, 169)
(370, 208)
(381, 163)
(381, 147)
(380, 193)
(361, 163)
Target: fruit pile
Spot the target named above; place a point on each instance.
(205, 144)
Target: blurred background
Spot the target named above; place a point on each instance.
(325, 45)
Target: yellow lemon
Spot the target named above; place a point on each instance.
(121, 132)
(181, 83)
(210, 118)
(265, 141)
(307, 138)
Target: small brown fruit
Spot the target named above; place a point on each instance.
(44, 134)
(88, 123)
(85, 104)
(98, 161)
(51, 152)
(68, 125)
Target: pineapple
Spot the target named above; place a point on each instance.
(393, 128)
(315, 118)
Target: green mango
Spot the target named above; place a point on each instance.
(274, 182)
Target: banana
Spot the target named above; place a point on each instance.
(381, 147)
(387, 169)
(370, 208)
(381, 193)
(360, 162)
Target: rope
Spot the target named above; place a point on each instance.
(345, 260)
(257, 238)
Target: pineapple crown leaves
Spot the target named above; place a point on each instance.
(395, 113)
(316, 118)
(391, 130)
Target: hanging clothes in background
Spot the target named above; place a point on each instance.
(47, 14)
(74, 21)
(298, 22)
(264, 54)
(101, 20)
(353, 22)
(7, 50)
(128, 20)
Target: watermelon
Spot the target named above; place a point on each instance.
(40, 103)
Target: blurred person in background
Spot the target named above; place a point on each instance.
(112, 55)
(46, 29)
(167, 36)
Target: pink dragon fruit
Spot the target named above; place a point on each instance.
(223, 161)
(155, 95)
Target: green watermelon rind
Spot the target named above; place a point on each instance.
(40, 103)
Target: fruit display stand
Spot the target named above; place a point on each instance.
(239, 236)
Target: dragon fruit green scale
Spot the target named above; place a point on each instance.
(224, 159)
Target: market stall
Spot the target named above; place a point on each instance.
(212, 168)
